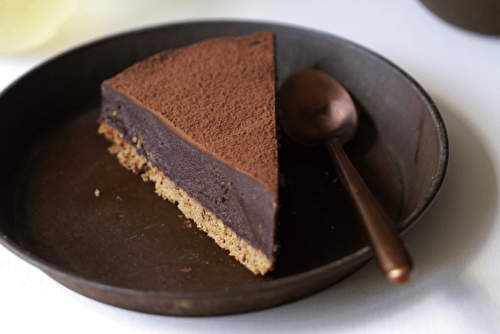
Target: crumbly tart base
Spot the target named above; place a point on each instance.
(252, 258)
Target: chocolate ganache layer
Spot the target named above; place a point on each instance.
(202, 120)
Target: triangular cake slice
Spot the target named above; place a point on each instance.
(200, 122)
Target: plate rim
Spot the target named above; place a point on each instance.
(363, 254)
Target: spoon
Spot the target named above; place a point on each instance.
(314, 109)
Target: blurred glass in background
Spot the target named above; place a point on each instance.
(26, 24)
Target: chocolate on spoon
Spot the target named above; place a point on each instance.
(315, 109)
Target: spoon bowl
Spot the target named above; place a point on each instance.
(317, 107)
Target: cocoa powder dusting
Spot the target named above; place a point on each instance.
(219, 95)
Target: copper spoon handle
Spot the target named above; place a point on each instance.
(390, 252)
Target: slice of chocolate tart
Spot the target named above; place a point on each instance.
(200, 122)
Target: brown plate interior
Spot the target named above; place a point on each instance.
(128, 248)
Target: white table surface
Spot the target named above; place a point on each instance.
(455, 244)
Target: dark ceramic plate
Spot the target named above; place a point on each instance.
(131, 249)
